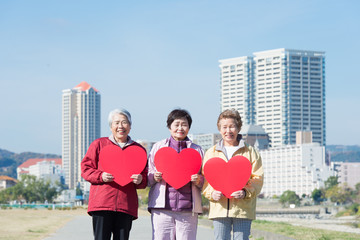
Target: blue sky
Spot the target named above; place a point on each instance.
(153, 56)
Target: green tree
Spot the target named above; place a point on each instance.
(330, 182)
(289, 197)
(339, 194)
(357, 187)
(318, 195)
(357, 193)
(5, 196)
(78, 191)
(30, 189)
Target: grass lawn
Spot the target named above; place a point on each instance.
(301, 233)
(31, 224)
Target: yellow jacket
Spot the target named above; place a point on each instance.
(236, 208)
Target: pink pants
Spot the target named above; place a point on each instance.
(169, 225)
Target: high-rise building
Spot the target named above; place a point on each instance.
(282, 90)
(80, 127)
(237, 87)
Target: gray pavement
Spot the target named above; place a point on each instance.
(80, 228)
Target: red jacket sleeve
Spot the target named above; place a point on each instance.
(143, 183)
(89, 164)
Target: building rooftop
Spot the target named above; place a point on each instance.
(294, 51)
(252, 129)
(84, 86)
(7, 178)
(34, 161)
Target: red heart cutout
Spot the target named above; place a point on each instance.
(122, 164)
(227, 177)
(177, 168)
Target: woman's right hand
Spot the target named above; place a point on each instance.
(216, 195)
(158, 176)
(107, 177)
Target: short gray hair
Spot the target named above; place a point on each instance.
(119, 111)
(232, 114)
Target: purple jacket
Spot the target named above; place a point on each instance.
(157, 192)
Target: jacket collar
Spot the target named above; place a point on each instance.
(129, 140)
(187, 140)
(220, 145)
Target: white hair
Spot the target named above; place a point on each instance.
(119, 111)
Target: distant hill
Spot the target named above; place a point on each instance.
(9, 161)
(344, 153)
(345, 157)
(342, 148)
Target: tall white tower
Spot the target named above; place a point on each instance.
(80, 127)
(288, 93)
(237, 87)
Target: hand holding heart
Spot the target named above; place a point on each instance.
(158, 176)
(228, 177)
(137, 178)
(122, 166)
(216, 195)
(107, 177)
(195, 179)
(177, 169)
(238, 194)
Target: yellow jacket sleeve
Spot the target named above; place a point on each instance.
(255, 183)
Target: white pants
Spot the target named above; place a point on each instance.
(169, 225)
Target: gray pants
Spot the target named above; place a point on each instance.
(223, 226)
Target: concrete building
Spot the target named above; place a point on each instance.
(206, 140)
(347, 172)
(300, 168)
(45, 168)
(80, 127)
(146, 144)
(303, 137)
(255, 136)
(282, 90)
(6, 182)
(237, 87)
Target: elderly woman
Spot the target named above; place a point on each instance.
(112, 207)
(237, 212)
(174, 212)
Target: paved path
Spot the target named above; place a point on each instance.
(80, 228)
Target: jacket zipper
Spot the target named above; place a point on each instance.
(177, 201)
(228, 208)
(228, 200)
(117, 195)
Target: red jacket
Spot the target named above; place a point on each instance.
(109, 196)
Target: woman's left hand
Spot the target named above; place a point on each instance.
(195, 179)
(137, 178)
(238, 194)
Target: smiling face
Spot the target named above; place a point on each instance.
(179, 129)
(120, 127)
(229, 131)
